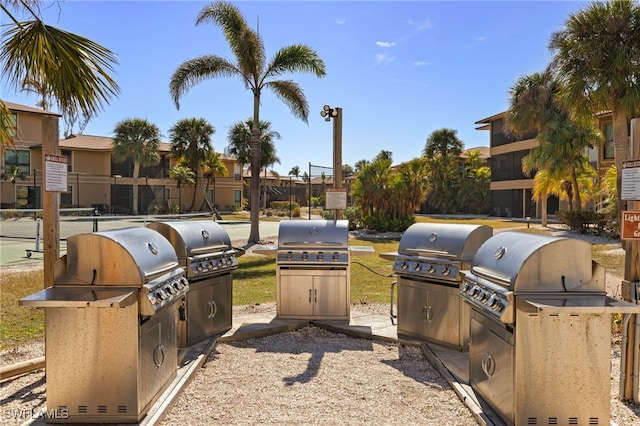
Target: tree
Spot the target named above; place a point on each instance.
(240, 145)
(211, 167)
(72, 69)
(256, 73)
(13, 175)
(295, 171)
(442, 151)
(534, 107)
(182, 175)
(595, 58)
(136, 139)
(191, 139)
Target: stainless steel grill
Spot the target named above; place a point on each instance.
(540, 330)
(428, 268)
(313, 270)
(204, 249)
(110, 325)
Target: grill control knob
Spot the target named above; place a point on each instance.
(336, 256)
(305, 255)
(404, 265)
(289, 255)
(159, 296)
(497, 305)
(211, 265)
(320, 256)
(200, 267)
(465, 287)
(484, 297)
(446, 271)
(417, 267)
(474, 290)
(430, 269)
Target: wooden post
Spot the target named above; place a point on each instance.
(631, 273)
(50, 203)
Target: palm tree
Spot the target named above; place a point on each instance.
(13, 175)
(255, 72)
(295, 171)
(72, 69)
(240, 145)
(595, 58)
(136, 139)
(182, 175)
(442, 151)
(191, 140)
(211, 167)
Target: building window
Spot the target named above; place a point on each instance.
(237, 197)
(13, 125)
(608, 153)
(66, 198)
(19, 158)
(67, 153)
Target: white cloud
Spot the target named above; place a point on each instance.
(383, 59)
(385, 43)
(341, 21)
(421, 63)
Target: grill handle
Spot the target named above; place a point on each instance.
(160, 271)
(439, 253)
(209, 249)
(490, 276)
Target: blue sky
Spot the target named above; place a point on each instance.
(398, 69)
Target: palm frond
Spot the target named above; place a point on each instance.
(75, 69)
(194, 71)
(290, 92)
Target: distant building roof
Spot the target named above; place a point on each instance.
(25, 108)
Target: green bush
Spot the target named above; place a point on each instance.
(584, 222)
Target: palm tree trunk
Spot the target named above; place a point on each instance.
(576, 189)
(621, 149)
(544, 209)
(254, 190)
(136, 172)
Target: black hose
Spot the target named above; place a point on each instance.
(371, 270)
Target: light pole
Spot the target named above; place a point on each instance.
(336, 113)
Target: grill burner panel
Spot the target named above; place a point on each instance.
(306, 257)
(432, 269)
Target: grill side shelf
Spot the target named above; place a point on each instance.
(81, 297)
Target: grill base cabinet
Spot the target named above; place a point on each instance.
(313, 293)
(434, 312)
(208, 309)
(100, 374)
(555, 368)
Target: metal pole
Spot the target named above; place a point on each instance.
(309, 191)
(337, 155)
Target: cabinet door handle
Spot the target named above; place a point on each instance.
(315, 296)
(309, 295)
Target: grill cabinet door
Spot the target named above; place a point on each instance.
(491, 363)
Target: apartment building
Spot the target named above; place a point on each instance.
(94, 179)
(511, 190)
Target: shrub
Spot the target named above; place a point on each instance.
(584, 222)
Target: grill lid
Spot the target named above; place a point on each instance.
(451, 241)
(523, 262)
(121, 257)
(194, 237)
(319, 234)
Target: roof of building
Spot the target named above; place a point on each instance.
(24, 108)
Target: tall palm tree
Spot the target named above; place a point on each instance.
(595, 57)
(212, 167)
(136, 139)
(255, 72)
(73, 69)
(182, 175)
(191, 139)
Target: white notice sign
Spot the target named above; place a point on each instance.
(630, 190)
(55, 173)
(336, 199)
